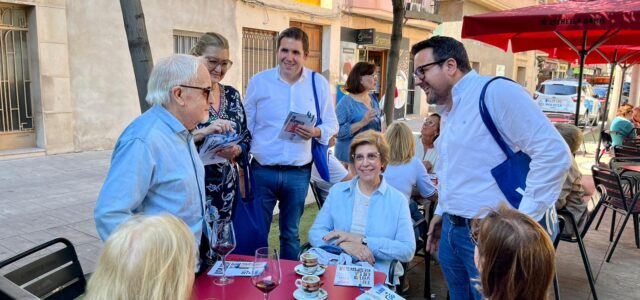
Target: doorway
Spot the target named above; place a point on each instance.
(314, 32)
(379, 59)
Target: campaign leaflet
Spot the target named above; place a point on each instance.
(293, 120)
(352, 275)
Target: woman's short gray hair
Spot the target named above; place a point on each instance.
(571, 134)
(170, 72)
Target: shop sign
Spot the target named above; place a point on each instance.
(365, 36)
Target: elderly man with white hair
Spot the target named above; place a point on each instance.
(155, 167)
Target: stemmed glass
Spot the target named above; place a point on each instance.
(268, 279)
(223, 241)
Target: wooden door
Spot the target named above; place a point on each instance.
(314, 59)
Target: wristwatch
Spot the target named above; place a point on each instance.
(364, 240)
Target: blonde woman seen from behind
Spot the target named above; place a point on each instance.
(147, 257)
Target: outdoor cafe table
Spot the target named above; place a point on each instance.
(242, 288)
(631, 168)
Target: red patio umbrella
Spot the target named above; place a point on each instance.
(580, 25)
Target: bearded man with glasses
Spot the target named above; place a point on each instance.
(468, 153)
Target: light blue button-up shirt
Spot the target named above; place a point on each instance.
(389, 228)
(155, 169)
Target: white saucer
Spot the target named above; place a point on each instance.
(300, 270)
(299, 294)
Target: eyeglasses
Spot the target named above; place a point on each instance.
(205, 90)
(213, 63)
(421, 70)
(429, 123)
(474, 230)
(369, 156)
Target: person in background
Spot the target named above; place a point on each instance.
(406, 171)
(146, 257)
(282, 168)
(364, 216)
(635, 118)
(357, 111)
(225, 110)
(514, 255)
(621, 126)
(425, 145)
(572, 189)
(337, 173)
(468, 153)
(155, 167)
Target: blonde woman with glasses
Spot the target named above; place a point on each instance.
(147, 257)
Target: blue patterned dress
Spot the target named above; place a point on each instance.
(220, 179)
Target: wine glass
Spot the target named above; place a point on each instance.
(265, 272)
(223, 241)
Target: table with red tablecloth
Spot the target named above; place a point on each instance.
(242, 288)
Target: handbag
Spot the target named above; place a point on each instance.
(510, 175)
(248, 218)
(319, 151)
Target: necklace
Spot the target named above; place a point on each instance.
(212, 109)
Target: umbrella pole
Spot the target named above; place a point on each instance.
(606, 111)
(583, 54)
(624, 70)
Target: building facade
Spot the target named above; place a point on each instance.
(67, 82)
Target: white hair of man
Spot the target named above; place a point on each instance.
(168, 73)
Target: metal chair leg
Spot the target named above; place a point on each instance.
(427, 275)
(615, 243)
(635, 229)
(604, 209)
(613, 225)
(556, 286)
(585, 259)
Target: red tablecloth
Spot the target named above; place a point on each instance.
(242, 288)
(634, 168)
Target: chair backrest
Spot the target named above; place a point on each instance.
(625, 151)
(316, 193)
(631, 142)
(609, 184)
(54, 276)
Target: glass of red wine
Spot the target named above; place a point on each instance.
(223, 241)
(265, 273)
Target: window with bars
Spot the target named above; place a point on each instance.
(16, 113)
(184, 41)
(258, 52)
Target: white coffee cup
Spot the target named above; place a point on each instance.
(309, 262)
(309, 285)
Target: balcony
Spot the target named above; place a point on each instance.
(423, 10)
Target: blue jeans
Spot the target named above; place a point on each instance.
(456, 261)
(290, 187)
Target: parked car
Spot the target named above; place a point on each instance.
(559, 97)
(601, 91)
(626, 87)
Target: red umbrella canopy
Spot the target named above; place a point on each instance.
(537, 27)
(602, 55)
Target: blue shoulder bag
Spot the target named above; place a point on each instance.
(319, 151)
(510, 175)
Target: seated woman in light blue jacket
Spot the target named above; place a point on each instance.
(365, 216)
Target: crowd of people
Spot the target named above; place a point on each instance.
(486, 247)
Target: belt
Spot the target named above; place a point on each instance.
(282, 167)
(458, 220)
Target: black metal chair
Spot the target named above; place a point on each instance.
(54, 276)
(316, 193)
(620, 198)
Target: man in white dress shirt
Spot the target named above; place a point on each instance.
(468, 152)
(282, 167)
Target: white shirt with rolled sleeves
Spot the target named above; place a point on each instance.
(268, 101)
(468, 152)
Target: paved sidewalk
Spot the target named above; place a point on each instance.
(52, 196)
